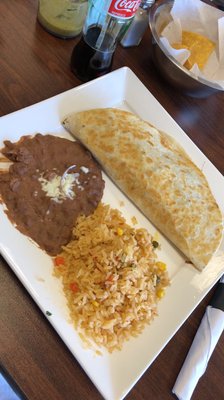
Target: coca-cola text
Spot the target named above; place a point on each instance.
(123, 8)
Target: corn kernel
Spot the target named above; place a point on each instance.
(95, 303)
(161, 265)
(156, 236)
(134, 220)
(160, 293)
(120, 231)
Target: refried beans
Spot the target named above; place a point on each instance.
(50, 182)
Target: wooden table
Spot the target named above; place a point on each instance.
(35, 66)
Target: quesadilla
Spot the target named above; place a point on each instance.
(155, 172)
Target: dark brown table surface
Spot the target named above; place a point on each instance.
(34, 66)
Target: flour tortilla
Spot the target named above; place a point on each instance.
(157, 175)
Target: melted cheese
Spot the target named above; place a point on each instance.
(60, 187)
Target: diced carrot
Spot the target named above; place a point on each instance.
(74, 287)
(110, 278)
(59, 261)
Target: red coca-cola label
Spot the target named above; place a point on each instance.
(123, 8)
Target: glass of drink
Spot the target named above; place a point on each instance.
(105, 25)
(62, 18)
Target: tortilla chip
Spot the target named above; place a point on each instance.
(200, 47)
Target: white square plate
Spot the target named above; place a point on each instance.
(113, 374)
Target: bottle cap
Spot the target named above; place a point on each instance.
(146, 4)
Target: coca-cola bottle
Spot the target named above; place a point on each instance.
(105, 25)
